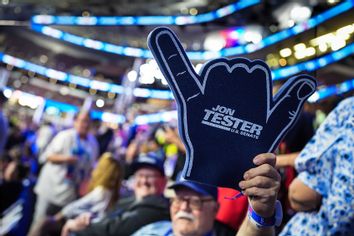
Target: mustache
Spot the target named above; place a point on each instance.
(185, 215)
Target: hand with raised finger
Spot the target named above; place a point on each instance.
(227, 113)
(261, 184)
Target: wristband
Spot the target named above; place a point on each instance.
(262, 222)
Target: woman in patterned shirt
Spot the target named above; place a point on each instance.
(324, 189)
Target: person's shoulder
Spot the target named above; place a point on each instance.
(156, 228)
(346, 105)
(126, 201)
(343, 113)
(155, 200)
(348, 102)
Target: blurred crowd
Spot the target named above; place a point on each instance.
(90, 179)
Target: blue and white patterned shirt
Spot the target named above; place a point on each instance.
(327, 166)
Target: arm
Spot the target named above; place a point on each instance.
(61, 159)
(285, 160)
(56, 150)
(172, 137)
(261, 185)
(303, 198)
(249, 228)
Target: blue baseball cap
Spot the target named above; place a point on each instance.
(150, 159)
(202, 189)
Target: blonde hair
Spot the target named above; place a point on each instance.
(108, 174)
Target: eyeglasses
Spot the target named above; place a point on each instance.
(195, 203)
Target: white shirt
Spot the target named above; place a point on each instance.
(53, 183)
(95, 202)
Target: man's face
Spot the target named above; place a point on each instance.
(82, 124)
(148, 181)
(191, 213)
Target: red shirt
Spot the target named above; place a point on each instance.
(231, 212)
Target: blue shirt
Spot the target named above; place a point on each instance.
(160, 228)
(326, 165)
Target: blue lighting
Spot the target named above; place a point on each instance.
(167, 116)
(332, 90)
(199, 55)
(314, 64)
(84, 82)
(279, 74)
(143, 20)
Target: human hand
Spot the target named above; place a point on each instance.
(226, 111)
(71, 159)
(171, 135)
(261, 184)
(79, 223)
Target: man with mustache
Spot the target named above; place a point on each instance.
(146, 206)
(194, 207)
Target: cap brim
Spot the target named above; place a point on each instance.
(189, 185)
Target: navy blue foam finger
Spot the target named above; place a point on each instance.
(227, 115)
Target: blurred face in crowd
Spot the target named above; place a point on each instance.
(191, 213)
(148, 181)
(82, 124)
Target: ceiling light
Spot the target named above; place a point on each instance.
(132, 75)
(85, 13)
(64, 91)
(300, 13)
(282, 62)
(193, 11)
(92, 91)
(198, 67)
(164, 81)
(111, 95)
(291, 23)
(310, 51)
(43, 59)
(285, 52)
(337, 44)
(99, 103)
(300, 54)
(253, 36)
(214, 42)
(300, 47)
(146, 79)
(332, 1)
(7, 93)
(323, 47)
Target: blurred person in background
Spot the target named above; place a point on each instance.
(69, 159)
(103, 192)
(323, 191)
(146, 206)
(194, 208)
(14, 173)
(4, 126)
(175, 152)
(294, 141)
